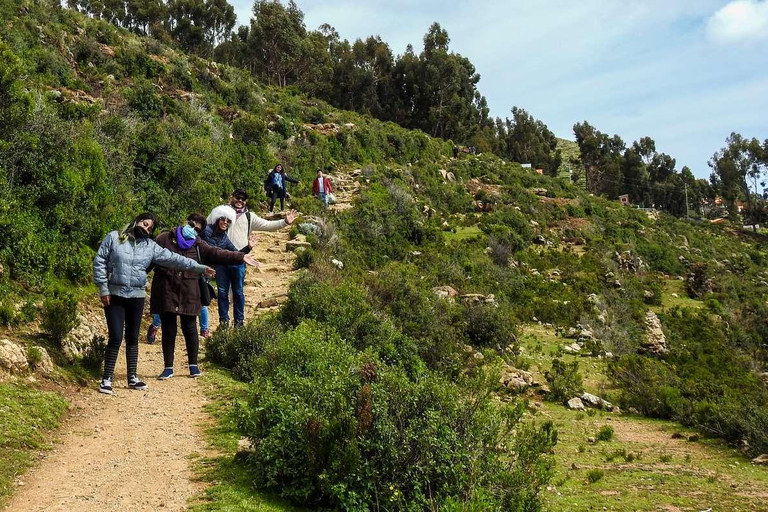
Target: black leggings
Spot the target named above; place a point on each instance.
(274, 193)
(188, 328)
(123, 314)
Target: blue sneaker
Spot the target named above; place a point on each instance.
(194, 371)
(167, 374)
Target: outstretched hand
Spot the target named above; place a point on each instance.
(210, 272)
(291, 216)
(250, 261)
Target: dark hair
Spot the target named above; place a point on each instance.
(145, 216)
(196, 217)
(280, 166)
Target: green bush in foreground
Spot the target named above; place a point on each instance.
(336, 427)
(60, 313)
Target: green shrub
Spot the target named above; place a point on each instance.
(564, 380)
(304, 257)
(338, 428)
(605, 433)
(34, 356)
(595, 475)
(7, 313)
(60, 313)
(237, 349)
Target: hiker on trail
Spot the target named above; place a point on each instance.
(120, 272)
(177, 294)
(321, 187)
(455, 152)
(233, 276)
(275, 186)
(215, 234)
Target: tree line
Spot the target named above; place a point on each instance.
(434, 90)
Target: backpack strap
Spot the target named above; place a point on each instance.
(248, 217)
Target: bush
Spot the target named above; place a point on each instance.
(564, 380)
(605, 433)
(338, 428)
(595, 475)
(304, 257)
(60, 313)
(7, 313)
(237, 349)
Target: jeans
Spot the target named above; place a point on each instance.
(234, 276)
(203, 319)
(324, 198)
(274, 193)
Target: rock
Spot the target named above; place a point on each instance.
(13, 357)
(478, 356)
(573, 348)
(533, 223)
(539, 191)
(764, 377)
(554, 273)
(602, 318)
(478, 298)
(443, 173)
(576, 404)
(585, 334)
(655, 342)
(272, 302)
(78, 341)
(575, 467)
(451, 177)
(761, 460)
(45, 363)
(338, 264)
(617, 284)
(516, 380)
(445, 292)
(648, 294)
(445, 226)
(591, 440)
(593, 298)
(539, 240)
(244, 446)
(675, 295)
(292, 245)
(595, 401)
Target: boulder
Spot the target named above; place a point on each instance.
(539, 240)
(451, 177)
(338, 264)
(77, 343)
(576, 404)
(573, 348)
(245, 447)
(13, 357)
(655, 342)
(595, 401)
(478, 298)
(445, 292)
(761, 460)
(516, 380)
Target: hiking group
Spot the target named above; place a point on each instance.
(183, 258)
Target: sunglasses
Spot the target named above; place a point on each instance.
(225, 219)
(197, 229)
(241, 198)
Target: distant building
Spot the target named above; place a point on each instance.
(526, 166)
(624, 200)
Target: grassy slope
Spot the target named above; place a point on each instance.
(702, 480)
(27, 415)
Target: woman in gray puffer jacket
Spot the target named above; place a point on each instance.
(120, 272)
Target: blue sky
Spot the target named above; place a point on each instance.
(685, 72)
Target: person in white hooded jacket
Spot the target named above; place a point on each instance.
(233, 276)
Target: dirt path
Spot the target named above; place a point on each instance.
(132, 450)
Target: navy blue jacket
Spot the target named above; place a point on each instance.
(220, 239)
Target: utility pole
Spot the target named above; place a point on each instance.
(686, 201)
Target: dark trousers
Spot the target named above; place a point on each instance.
(274, 193)
(188, 328)
(123, 315)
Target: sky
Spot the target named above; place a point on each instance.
(687, 73)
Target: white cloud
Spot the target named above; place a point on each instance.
(740, 20)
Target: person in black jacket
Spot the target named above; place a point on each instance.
(275, 186)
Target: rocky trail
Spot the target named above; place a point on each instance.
(134, 450)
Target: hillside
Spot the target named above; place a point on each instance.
(434, 325)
